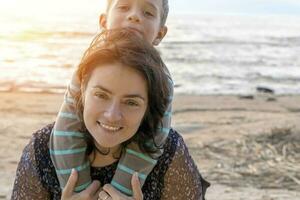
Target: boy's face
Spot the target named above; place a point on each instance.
(143, 17)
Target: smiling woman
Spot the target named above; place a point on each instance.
(114, 105)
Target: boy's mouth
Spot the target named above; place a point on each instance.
(136, 31)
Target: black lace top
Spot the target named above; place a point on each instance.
(175, 176)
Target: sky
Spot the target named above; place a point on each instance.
(287, 7)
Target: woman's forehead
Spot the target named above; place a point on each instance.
(116, 78)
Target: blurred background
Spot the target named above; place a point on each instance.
(212, 47)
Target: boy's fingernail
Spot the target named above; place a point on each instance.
(137, 178)
(73, 171)
(136, 174)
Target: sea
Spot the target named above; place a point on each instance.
(206, 54)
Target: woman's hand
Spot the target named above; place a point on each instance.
(90, 193)
(110, 193)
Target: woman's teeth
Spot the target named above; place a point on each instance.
(110, 128)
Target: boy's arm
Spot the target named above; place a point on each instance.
(166, 121)
(67, 143)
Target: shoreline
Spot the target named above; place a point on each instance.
(62, 89)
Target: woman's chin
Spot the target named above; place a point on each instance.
(105, 141)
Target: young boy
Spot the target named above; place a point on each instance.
(146, 18)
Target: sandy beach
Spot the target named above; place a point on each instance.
(203, 121)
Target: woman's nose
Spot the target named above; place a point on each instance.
(113, 113)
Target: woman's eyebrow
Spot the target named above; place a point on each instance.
(126, 96)
(102, 88)
(135, 96)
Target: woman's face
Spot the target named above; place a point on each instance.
(115, 101)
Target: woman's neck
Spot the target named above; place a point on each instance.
(102, 156)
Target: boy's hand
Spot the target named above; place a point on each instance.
(110, 193)
(90, 193)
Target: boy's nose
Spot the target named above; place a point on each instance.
(113, 113)
(134, 17)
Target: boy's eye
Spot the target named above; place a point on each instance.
(149, 13)
(123, 7)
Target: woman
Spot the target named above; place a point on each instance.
(124, 93)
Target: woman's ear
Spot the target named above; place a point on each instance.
(102, 21)
(161, 34)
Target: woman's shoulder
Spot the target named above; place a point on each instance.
(44, 165)
(177, 160)
(174, 144)
(38, 144)
(154, 185)
(36, 169)
(42, 135)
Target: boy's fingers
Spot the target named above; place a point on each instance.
(136, 187)
(96, 196)
(70, 186)
(112, 192)
(104, 195)
(93, 188)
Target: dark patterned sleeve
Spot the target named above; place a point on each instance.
(182, 179)
(27, 183)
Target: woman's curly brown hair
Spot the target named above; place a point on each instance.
(124, 47)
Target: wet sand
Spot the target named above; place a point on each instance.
(200, 119)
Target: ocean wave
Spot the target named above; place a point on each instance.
(288, 41)
(37, 35)
(268, 41)
(12, 86)
(274, 79)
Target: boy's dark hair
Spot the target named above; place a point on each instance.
(121, 46)
(164, 14)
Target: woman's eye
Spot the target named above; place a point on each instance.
(132, 103)
(101, 95)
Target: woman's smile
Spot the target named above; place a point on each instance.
(109, 128)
